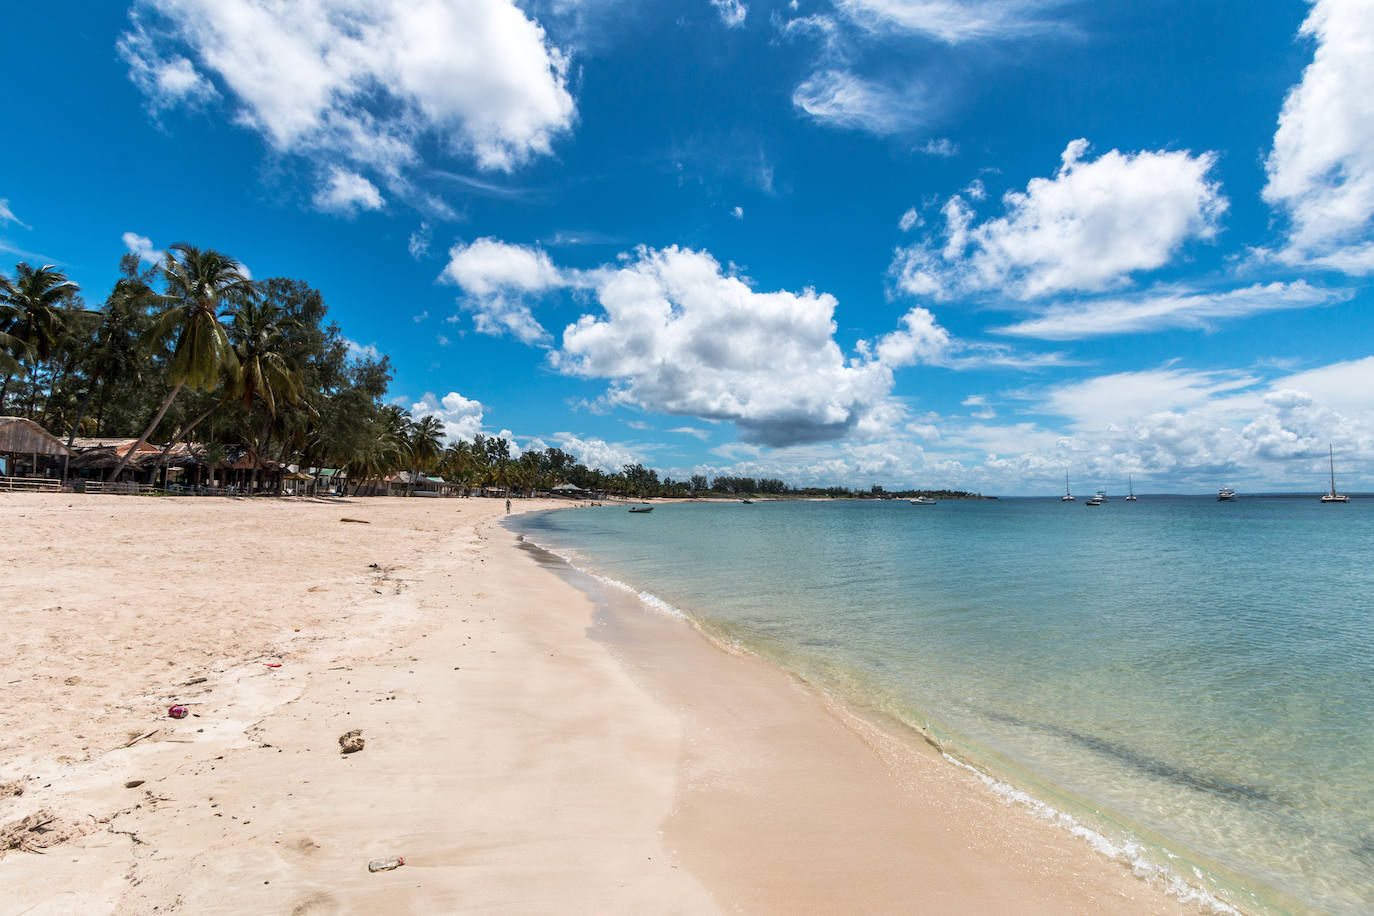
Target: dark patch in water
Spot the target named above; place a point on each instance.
(1233, 791)
(1365, 851)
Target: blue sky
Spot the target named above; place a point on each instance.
(905, 242)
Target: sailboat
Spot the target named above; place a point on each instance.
(1130, 497)
(1067, 497)
(1333, 496)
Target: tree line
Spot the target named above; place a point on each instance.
(192, 349)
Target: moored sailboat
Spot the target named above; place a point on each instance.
(1067, 497)
(1333, 496)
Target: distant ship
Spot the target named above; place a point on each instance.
(1130, 497)
(923, 501)
(1225, 495)
(1067, 497)
(1333, 496)
(1097, 499)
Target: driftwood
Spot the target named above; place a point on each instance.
(356, 521)
(134, 741)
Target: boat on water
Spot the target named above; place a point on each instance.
(1067, 497)
(1130, 497)
(1225, 495)
(641, 508)
(1096, 499)
(747, 502)
(1333, 496)
(923, 501)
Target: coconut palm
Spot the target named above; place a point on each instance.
(425, 442)
(202, 287)
(33, 318)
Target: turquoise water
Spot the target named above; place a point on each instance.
(1192, 680)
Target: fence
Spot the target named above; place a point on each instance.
(31, 484)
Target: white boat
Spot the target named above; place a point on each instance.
(1067, 497)
(1333, 496)
(747, 502)
(1096, 499)
(641, 508)
(1130, 497)
(1225, 495)
(922, 501)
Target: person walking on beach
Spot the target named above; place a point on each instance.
(508, 507)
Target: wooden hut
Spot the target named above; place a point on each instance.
(28, 450)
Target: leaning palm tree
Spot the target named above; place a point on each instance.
(202, 287)
(33, 313)
(425, 440)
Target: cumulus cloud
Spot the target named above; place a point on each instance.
(345, 193)
(954, 21)
(1321, 169)
(361, 351)
(365, 81)
(842, 98)
(732, 12)
(498, 280)
(597, 453)
(1090, 227)
(142, 246)
(1169, 308)
(461, 417)
(679, 335)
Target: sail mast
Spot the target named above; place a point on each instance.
(1332, 456)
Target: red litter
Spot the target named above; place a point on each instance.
(272, 664)
(177, 712)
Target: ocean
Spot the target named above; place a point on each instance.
(1188, 684)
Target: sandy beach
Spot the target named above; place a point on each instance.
(534, 742)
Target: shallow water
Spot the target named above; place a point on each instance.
(1192, 679)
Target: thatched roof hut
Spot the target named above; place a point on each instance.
(25, 437)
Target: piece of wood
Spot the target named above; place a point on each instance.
(134, 741)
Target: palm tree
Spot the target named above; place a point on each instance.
(33, 318)
(202, 286)
(425, 441)
(264, 373)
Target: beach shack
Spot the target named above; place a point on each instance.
(570, 490)
(28, 452)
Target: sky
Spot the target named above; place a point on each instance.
(977, 244)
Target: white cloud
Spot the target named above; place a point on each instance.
(418, 245)
(732, 12)
(367, 81)
(462, 417)
(954, 21)
(1169, 308)
(1102, 401)
(498, 278)
(695, 431)
(345, 193)
(142, 246)
(597, 453)
(166, 80)
(679, 336)
(910, 220)
(7, 215)
(1321, 169)
(942, 147)
(737, 213)
(841, 98)
(361, 351)
(420, 317)
(1089, 227)
(920, 339)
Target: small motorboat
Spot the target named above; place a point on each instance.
(923, 501)
(641, 508)
(1225, 495)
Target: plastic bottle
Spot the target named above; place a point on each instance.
(386, 864)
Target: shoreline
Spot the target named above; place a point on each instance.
(516, 757)
(1036, 838)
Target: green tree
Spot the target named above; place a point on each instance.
(34, 314)
(202, 287)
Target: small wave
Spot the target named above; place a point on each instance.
(1127, 852)
(649, 599)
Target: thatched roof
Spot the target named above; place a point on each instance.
(105, 454)
(25, 437)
